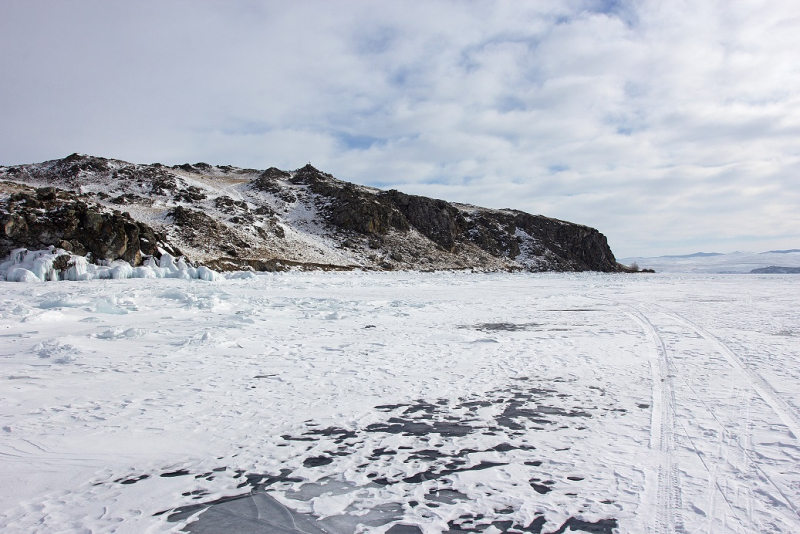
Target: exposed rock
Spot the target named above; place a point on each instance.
(190, 194)
(44, 217)
(228, 205)
(575, 247)
(439, 221)
(229, 218)
(203, 231)
(269, 180)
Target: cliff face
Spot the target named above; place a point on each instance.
(234, 218)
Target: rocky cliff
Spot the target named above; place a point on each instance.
(231, 218)
(39, 218)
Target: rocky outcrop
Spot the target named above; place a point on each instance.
(201, 230)
(233, 218)
(439, 221)
(576, 247)
(39, 218)
(571, 247)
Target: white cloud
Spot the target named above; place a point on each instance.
(667, 125)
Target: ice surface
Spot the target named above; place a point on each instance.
(401, 403)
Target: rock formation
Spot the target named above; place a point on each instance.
(231, 218)
(39, 218)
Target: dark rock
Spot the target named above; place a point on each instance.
(193, 218)
(190, 194)
(349, 207)
(439, 221)
(205, 232)
(75, 164)
(569, 247)
(37, 219)
(268, 180)
(127, 198)
(575, 247)
(494, 233)
(228, 205)
(376, 229)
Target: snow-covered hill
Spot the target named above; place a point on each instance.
(231, 218)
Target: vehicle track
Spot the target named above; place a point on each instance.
(669, 490)
(754, 383)
(786, 413)
(765, 391)
(667, 498)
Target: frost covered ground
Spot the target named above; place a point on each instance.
(346, 402)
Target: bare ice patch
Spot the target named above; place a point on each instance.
(435, 449)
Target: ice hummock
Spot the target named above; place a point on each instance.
(55, 264)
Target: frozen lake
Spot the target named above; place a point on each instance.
(402, 403)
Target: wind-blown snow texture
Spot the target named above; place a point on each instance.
(402, 402)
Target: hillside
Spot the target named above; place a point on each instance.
(230, 218)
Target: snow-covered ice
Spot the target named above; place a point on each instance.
(402, 402)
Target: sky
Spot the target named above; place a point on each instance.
(671, 126)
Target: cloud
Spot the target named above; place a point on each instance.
(667, 125)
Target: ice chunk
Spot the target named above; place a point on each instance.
(77, 269)
(119, 333)
(61, 300)
(241, 275)
(20, 274)
(23, 265)
(109, 305)
(176, 294)
(204, 273)
(167, 262)
(121, 269)
(56, 350)
(143, 272)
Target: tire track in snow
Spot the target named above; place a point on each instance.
(762, 387)
(667, 497)
(750, 384)
(767, 393)
(671, 492)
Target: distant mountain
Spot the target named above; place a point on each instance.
(695, 255)
(774, 269)
(230, 218)
(703, 262)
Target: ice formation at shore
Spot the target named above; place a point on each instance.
(56, 264)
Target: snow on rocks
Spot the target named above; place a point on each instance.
(57, 264)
